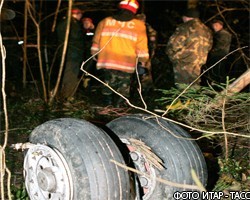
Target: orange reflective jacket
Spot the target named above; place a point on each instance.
(120, 43)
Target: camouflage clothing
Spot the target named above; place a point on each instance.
(222, 41)
(119, 81)
(188, 48)
(152, 41)
(121, 41)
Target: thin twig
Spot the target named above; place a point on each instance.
(223, 123)
(93, 56)
(140, 86)
(199, 77)
(54, 92)
(8, 182)
(3, 167)
(56, 14)
(38, 47)
(166, 182)
(167, 119)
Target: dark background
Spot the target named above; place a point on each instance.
(163, 16)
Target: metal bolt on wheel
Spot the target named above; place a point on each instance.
(46, 173)
(168, 142)
(88, 173)
(148, 183)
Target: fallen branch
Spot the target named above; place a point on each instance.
(239, 84)
(166, 182)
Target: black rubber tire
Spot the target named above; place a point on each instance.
(87, 150)
(179, 155)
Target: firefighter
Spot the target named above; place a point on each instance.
(120, 39)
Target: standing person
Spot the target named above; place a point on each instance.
(221, 47)
(146, 78)
(188, 47)
(121, 39)
(90, 66)
(151, 34)
(74, 54)
(88, 32)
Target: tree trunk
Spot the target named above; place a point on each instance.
(239, 84)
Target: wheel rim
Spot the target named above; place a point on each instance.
(141, 164)
(47, 175)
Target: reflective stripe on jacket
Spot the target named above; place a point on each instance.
(120, 43)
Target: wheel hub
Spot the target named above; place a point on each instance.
(47, 175)
(46, 180)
